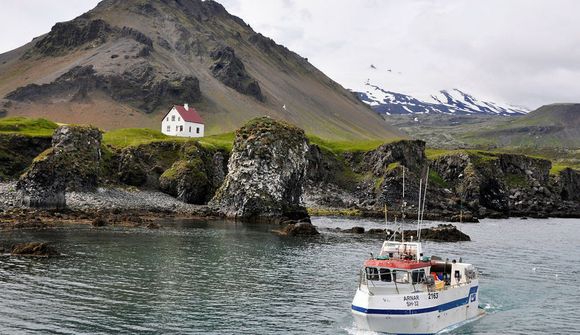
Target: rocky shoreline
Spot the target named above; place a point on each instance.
(273, 174)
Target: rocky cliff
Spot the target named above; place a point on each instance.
(267, 170)
(476, 183)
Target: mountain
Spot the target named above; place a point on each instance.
(556, 125)
(453, 102)
(126, 62)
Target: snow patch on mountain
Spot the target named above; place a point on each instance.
(453, 101)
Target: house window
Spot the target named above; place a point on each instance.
(181, 128)
(190, 129)
(172, 117)
(197, 130)
(178, 118)
(168, 128)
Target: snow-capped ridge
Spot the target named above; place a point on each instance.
(453, 101)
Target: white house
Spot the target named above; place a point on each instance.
(183, 121)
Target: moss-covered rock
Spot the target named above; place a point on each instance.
(72, 163)
(266, 172)
(187, 181)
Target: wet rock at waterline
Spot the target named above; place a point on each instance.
(298, 229)
(266, 172)
(37, 249)
(440, 233)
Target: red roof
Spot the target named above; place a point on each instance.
(189, 115)
(396, 264)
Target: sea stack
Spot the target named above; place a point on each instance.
(266, 173)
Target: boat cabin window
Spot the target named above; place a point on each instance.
(418, 276)
(400, 276)
(385, 275)
(372, 273)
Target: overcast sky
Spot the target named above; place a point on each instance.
(524, 52)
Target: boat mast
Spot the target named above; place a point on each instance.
(403, 204)
(424, 199)
(419, 212)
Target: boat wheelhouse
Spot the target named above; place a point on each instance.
(403, 292)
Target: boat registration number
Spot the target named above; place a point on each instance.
(433, 295)
(411, 300)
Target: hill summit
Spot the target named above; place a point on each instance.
(124, 63)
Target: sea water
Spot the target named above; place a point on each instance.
(216, 277)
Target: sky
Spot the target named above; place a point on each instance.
(523, 52)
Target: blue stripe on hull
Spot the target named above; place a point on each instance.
(439, 308)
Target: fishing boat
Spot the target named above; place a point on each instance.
(402, 291)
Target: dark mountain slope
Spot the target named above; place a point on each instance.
(124, 63)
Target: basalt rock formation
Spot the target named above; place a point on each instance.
(463, 185)
(230, 70)
(139, 85)
(267, 170)
(71, 164)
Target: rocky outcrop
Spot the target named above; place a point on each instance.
(410, 154)
(440, 233)
(266, 172)
(185, 170)
(195, 178)
(36, 249)
(230, 70)
(67, 35)
(71, 164)
(139, 85)
(463, 185)
(567, 184)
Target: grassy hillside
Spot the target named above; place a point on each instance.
(26, 126)
(551, 126)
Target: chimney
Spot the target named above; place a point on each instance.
(186, 106)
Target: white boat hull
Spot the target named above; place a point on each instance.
(415, 313)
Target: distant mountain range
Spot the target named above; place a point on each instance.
(452, 102)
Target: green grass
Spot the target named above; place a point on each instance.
(436, 179)
(122, 138)
(348, 146)
(28, 127)
(127, 137)
(221, 141)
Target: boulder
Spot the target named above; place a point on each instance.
(187, 181)
(354, 230)
(100, 222)
(299, 229)
(266, 172)
(37, 249)
(71, 164)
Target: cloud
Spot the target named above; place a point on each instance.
(519, 51)
(523, 52)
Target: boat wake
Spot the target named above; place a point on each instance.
(482, 313)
